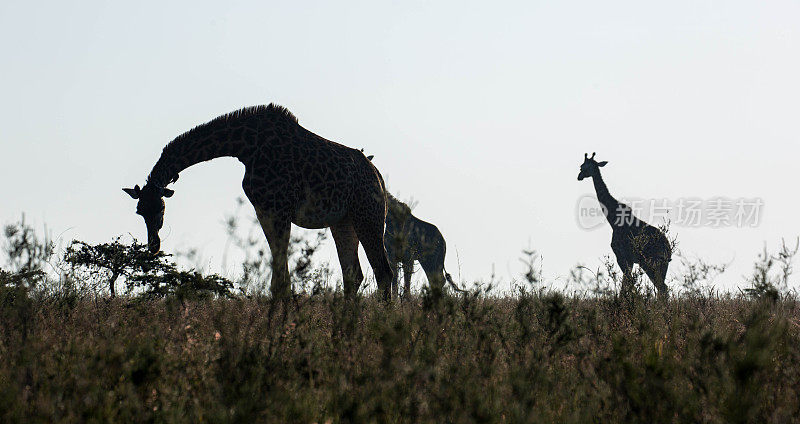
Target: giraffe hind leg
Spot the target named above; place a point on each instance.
(435, 273)
(344, 236)
(370, 234)
(661, 278)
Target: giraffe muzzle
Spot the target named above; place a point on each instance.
(153, 243)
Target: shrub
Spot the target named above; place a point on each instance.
(145, 273)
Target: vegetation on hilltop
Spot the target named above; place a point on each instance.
(179, 346)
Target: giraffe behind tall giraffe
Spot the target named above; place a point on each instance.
(291, 176)
(409, 239)
(633, 241)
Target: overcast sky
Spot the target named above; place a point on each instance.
(479, 111)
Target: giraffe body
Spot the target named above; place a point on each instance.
(633, 241)
(409, 239)
(291, 176)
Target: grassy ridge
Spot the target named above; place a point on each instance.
(477, 358)
(180, 346)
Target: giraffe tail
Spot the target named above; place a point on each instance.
(451, 282)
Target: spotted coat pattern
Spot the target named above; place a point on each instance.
(633, 241)
(291, 176)
(409, 239)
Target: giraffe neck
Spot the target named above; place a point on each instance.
(198, 145)
(608, 201)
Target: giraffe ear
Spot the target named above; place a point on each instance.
(167, 192)
(133, 192)
(603, 163)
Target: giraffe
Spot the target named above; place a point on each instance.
(291, 176)
(409, 239)
(633, 241)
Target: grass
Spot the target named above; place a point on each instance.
(535, 357)
(192, 351)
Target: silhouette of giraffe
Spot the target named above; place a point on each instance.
(409, 239)
(633, 241)
(291, 176)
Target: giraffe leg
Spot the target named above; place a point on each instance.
(627, 274)
(657, 272)
(435, 274)
(277, 231)
(408, 271)
(395, 278)
(370, 234)
(651, 274)
(344, 235)
(394, 263)
(660, 277)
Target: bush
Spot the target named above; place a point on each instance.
(770, 279)
(145, 273)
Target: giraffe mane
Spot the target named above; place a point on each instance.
(243, 113)
(396, 205)
(276, 111)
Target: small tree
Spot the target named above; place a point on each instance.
(154, 274)
(117, 260)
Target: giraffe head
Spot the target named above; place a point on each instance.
(151, 208)
(590, 167)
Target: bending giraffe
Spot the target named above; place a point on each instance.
(633, 241)
(409, 239)
(291, 176)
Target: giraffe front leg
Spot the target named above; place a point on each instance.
(658, 275)
(408, 270)
(626, 267)
(394, 264)
(395, 278)
(277, 231)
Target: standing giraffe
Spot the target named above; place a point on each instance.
(409, 239)
(291, 176)
(633, 241)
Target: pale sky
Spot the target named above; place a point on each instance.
(480, 111)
